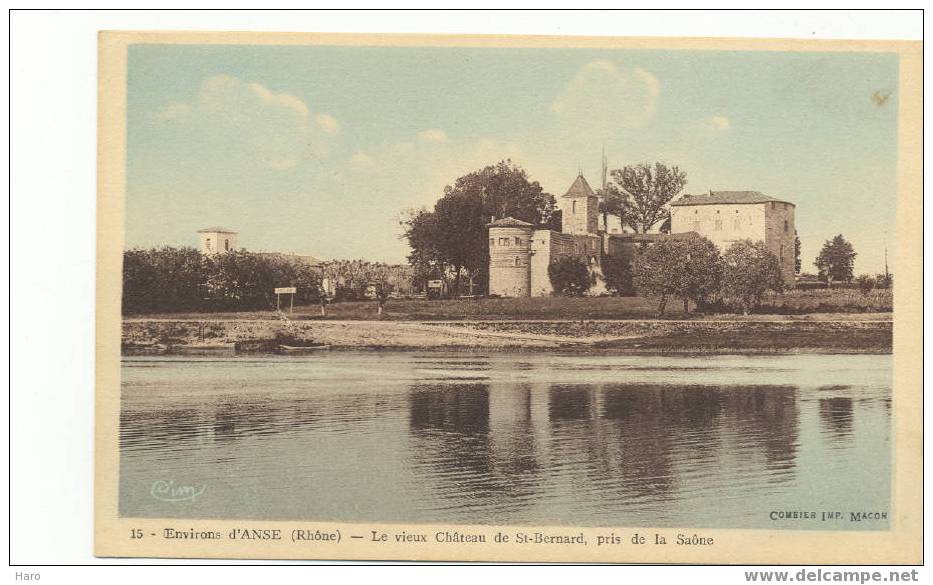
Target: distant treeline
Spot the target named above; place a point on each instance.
(164, 280)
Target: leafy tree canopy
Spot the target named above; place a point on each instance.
(836, 260)
(650, 189)
(749, 271)
(454, 234)
(688, 268)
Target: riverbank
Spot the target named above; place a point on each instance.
(858, 333)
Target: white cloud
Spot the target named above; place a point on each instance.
(433, 135)
(603, 96)
(361, 161)
(172, 112)
(327, 123)
(249, 123)
(719, 123)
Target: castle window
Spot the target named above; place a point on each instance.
(492, 241)
(782, 253)
(208, 243)
(785, 226)
(227, 242)
(517, 261)
(518, 241)
(573, 207)
(696, 211)
(504, 241)
(718, 225)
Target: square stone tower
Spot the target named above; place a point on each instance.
(580, 209)
(216, 240)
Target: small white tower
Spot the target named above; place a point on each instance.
(215, 240)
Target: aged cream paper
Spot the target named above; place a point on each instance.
(312, 538)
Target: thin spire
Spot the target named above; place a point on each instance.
(887, 274)
(605, 169)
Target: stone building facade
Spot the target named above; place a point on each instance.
(520, 253)
(725, 217)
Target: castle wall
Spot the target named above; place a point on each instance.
(548, 246)
(509, 261)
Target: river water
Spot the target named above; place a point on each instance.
(500, 438)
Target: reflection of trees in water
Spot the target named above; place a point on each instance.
(626, 441)
(225, 420)
(638, 437)
(836, 417)
(655, 428)
(769, 418)
(160, 429)
(455, 408)
(450, 430)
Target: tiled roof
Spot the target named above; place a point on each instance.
(580, 188)
(726, 198)
(221, 230)
(509, 222)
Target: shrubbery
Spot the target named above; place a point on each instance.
(618, 274)
(182, 279)
(569, 276)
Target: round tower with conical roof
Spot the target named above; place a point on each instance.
(510, 257)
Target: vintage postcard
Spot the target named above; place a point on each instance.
(509, 299)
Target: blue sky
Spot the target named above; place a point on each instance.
(320, 150)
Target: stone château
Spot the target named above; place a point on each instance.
(520, 253)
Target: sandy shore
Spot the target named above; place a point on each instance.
(840, 334)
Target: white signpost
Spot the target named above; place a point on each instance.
(285, 290)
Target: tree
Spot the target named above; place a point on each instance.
(688, 268)
(884, 280)
(618, 273)
(650, 191)
(612, 201)
(162, 279)
(382, 295)
(749, 271)
(569, 276)
(181, 279)
(836, 260)
(797, 264)
(454, 234)
(866, 283)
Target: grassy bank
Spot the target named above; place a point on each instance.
(793, 303)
